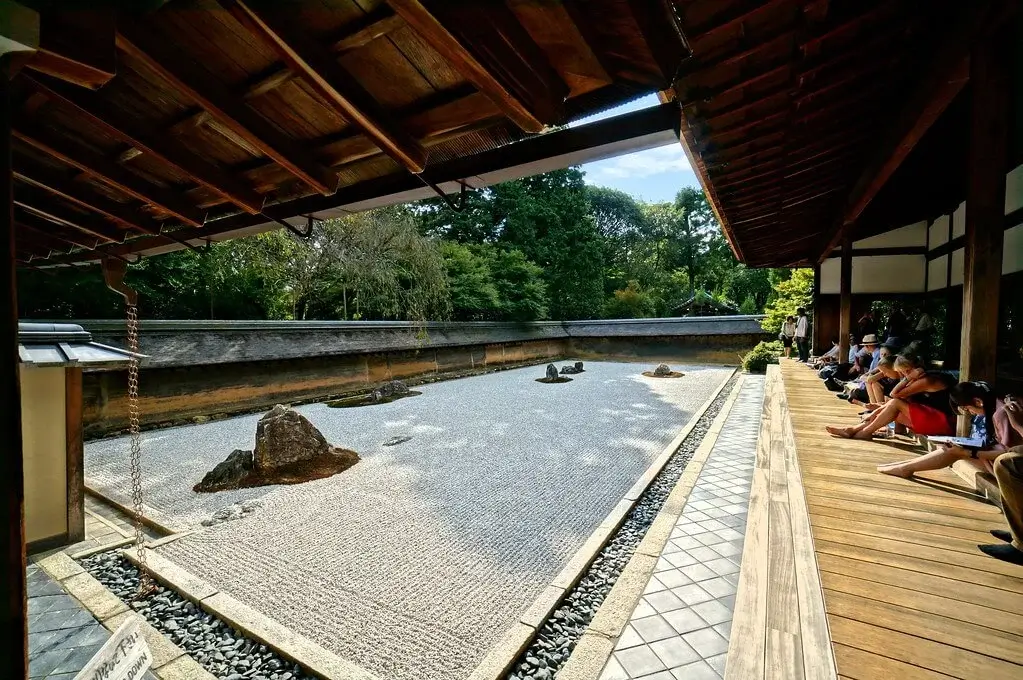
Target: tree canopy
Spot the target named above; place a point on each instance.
(547, 246)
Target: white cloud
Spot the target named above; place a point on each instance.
(657, 161)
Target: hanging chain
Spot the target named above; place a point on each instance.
(145, 580)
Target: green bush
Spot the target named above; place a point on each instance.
(760, 356)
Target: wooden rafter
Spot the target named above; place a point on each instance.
(374, 24)
(108, 172)
(77, 46)
(77, 194)
(318, 66)
(739, 53)
(946, 73)
(37, 203)
(35, 223)
(522, 59)
(733, 18)
(118, 124)
(189, 79)
(661, 28)
(731, 88)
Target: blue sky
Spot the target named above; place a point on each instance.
(654, 175)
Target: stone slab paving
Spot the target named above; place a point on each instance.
(680, 629)
(62, 635)
(414, 562)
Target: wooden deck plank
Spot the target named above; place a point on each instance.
(907, 593)
(860, 665)
(1009, 622)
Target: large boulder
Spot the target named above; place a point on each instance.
(663, 370)
(284, 436)
(228, 473)
(552, 372)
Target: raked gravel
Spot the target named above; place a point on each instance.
(415, 561)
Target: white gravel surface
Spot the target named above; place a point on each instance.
(416, 560)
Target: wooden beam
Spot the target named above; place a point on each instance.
(743, 107)
(75, 450)
(116, 123)
(76, 193)
(845, 301)
(318, 66)
(14, 604)
(987, 163)
(108, 172)
(733, 18)
(741, 52)
(818, 341)
(196, 84)
(77, 46)
(38, 202)
(538, 98)
(731, 88)
(360, 32)
(33, 223)
(661, 28)
(46, 240)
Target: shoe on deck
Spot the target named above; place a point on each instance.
(1004, 552)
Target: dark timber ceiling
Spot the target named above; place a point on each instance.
(201, 116)
(796, 113)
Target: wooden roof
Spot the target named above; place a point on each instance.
(203, 117)
(796, 113)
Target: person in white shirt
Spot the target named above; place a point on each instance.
(803, 335)
(788, 332)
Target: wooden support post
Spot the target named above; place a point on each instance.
(13, 643)
(817, 346)
(75, 454)
(845, 304)
(985, 205)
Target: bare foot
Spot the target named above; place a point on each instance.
(864, 435)
(872, 407)
(843, 432)
(895, 470)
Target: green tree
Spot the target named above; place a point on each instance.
(748, 306)
(791, 293)
(619, 220)
(470, 283)
(521, 291)
(631, 302)
(753, 285)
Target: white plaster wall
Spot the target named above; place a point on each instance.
(957, 268)
(937, 273)
(831, 276)
(1012, 250)
(959, 221)
(1014, 190)
(939, 232)
(45, 452)
(909, 236)
(888, 274)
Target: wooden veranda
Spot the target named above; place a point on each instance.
(862, 574)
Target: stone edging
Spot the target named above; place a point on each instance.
(151, 517)
(498, 661)
(596, 644)
(170, 662)
(312, 657)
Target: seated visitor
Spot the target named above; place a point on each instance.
(829, 357)
(919, 401)
(1002, 453)
(877, 385)
(840, 371)
(997, 432)
(788, 334)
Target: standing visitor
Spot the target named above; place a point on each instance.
(866, 325)
(898, 324)
(803, 335)
(923, 332)
(788, 333)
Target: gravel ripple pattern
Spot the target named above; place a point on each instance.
(221, 650)
(415, 561)
(559, 635)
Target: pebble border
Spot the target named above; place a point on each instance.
(220, 649)
(558, 636)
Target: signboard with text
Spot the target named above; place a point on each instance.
(125, 656)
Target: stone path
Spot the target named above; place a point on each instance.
(680, 629)
(62, 635)
(414, 562)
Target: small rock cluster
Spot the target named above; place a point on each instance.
(232, 512)
(394, 388)
(573, 369)
(662, 370)
(559, 635)
(220, 649)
